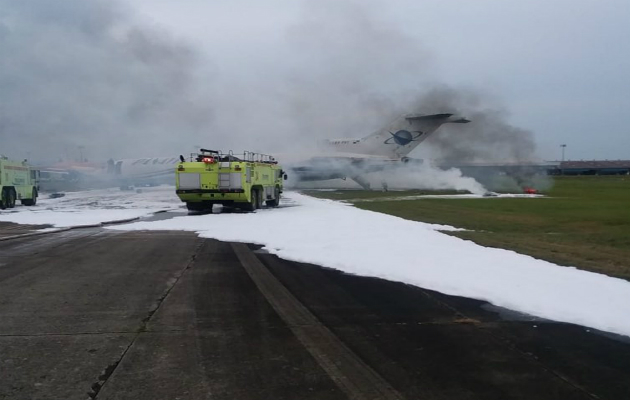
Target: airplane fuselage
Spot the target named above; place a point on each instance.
(384, 148)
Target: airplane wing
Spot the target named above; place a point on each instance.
(338, 166)
(354, 156)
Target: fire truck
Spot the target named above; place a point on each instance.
(18, 181)
(241, 181)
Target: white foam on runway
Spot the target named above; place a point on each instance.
(93, 207)
(337, 235)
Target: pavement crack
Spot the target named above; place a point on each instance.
(464, 319)
(104, 376)
(171, 284)
(109, 370)
(550, 370)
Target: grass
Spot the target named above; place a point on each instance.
(584, 221)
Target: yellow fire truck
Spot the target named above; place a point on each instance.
(241, 181)
(18, 181)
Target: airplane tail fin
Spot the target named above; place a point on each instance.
(446, 118)
(405, 134)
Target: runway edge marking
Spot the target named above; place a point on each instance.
(354, 377)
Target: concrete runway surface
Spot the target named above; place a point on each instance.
(92, 313)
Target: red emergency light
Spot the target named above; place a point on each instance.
(208, 160)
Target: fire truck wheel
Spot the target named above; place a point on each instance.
(276, 201)
(11, 198)
(4, 197)
(255, 199)
(32, 201)
(259, 199)
(251, 206)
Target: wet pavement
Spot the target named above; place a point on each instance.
(94, 313)
(8, 229)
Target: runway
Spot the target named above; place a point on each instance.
(94, 313)
(10, 229)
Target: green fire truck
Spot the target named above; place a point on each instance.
(18, 181)
(241, 181)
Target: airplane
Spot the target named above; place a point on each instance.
(353, 158)
(340, 159)
(124, 173)
(142, 171)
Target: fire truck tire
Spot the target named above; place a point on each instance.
(11, 198)
(32, 201)
(4, 197)
(252, 205)
(276, 201)
(255, 200)
(259, 199)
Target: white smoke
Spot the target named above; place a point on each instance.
(90, 76)
(426, 176)
(83, 74)
(400, 177)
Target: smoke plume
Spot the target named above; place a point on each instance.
(488, 138)
(81, 77)
(426, 176)
(369, 72)
(352, 71)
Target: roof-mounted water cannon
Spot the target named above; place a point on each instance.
(206, 156)
(210, 151)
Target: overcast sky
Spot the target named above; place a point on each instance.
(558, 68)
(138, 78)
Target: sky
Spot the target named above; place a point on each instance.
(132, 77)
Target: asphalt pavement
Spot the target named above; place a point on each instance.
(100, 314)
(9, 229)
